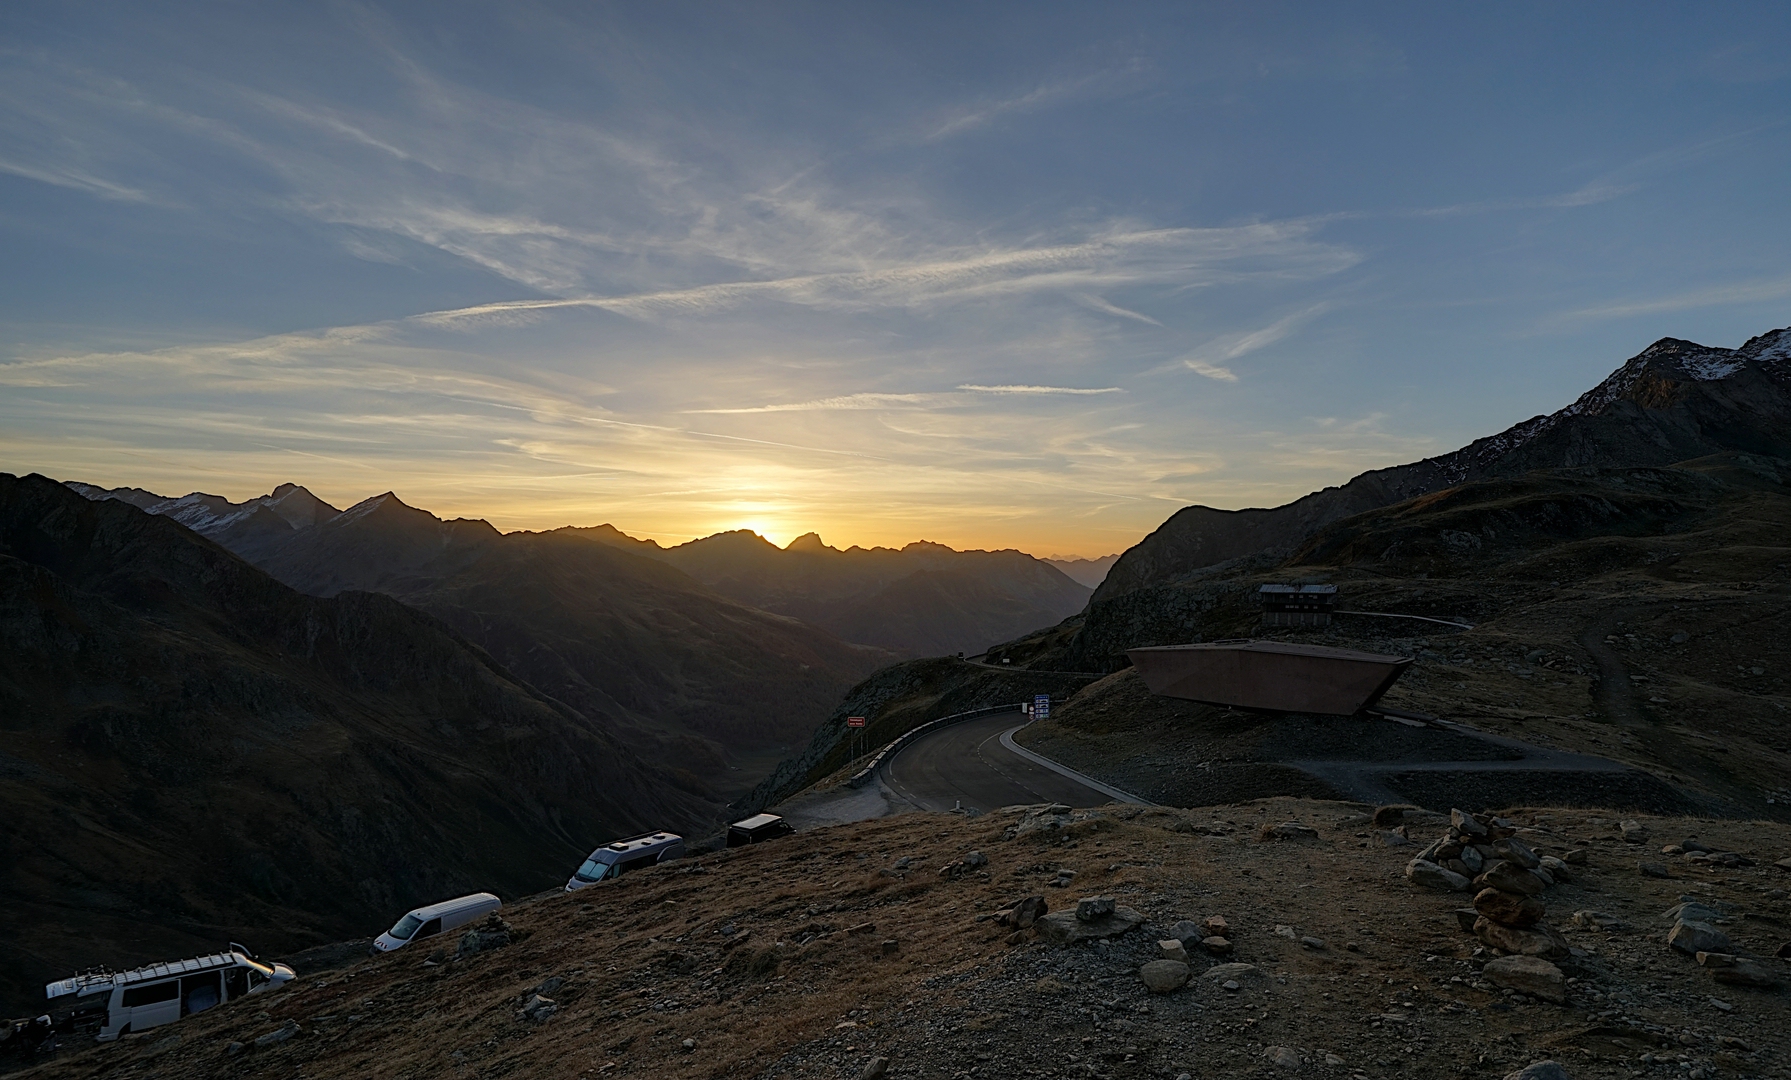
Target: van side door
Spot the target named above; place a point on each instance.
(152, 1004)
(200, 992)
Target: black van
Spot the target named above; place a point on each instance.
(758, 829)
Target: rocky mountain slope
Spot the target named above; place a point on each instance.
(1674, 401)
(194, 751)
(1089, 572)
(1640, 614)
(923, 599)
(873, 950)
(675, 669)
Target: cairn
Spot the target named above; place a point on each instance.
(1508, 880)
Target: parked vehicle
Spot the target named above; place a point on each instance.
(426, 922)
(758, 829)
(630, 853)
(158, 994)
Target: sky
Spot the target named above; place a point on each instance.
(993, 275)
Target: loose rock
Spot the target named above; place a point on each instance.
(1693, 937)
(1540, 1070)
(1173, 949)
(1511, 878)
(1164, 976)
(1540, 940)
(1090, 908)
(1432, 876)
(1512, 909)
(1529, 975)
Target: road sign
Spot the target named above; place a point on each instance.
(854, 721)
(1041, 706)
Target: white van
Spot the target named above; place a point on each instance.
(426, 922)
(163, 993)
(616, 858)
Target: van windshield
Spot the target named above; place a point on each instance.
(408, 926)
(593, 870)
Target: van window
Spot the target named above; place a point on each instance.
(199, 992)
(431, 928)
(637, 863)
(593, 870)
(149, 995)
(405, 927)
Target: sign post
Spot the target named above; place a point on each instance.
(855, 724)
(1041, 706)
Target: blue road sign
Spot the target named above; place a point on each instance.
(1041, 706)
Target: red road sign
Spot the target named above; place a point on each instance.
(854, 721)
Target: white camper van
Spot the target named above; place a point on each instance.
(163, 993)
(629, 853)
(426, 922)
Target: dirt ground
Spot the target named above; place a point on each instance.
(809, 956)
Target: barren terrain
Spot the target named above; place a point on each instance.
(810, 956)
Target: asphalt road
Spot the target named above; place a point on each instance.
(966, 765)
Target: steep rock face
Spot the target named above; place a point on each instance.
(194, 751)
(1674, 401)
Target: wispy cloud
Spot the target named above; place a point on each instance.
(67, 176)
(1042, 96)
(1073, 390)
(1740, 292)
(1210, 358)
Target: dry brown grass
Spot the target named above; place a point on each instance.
(812, 914)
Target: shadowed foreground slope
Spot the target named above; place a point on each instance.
(194, 751)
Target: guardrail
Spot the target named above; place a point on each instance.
(863, 776)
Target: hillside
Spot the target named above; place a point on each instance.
(923, 599)
(196, 752)
(1640, 614)
(1674, 401)
(675, 669)
(869, 951)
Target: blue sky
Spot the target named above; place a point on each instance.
(1021, 275)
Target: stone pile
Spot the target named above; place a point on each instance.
(1700, 854)
(1695, 933)
(1508, 880)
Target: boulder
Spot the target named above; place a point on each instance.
(875, 1069)
(1633, 831)
(1216, 945)
(1289, 830)
(1028, 911)
(1690, 911)
(278, 1035)
(1283, 1057)
(1432, 876)
(1245, 974)
(1386, 817)
(1163, 976)
(1471, 859)
(1090, 908)
(1736, 970)
(1188, 933)
(1173, 949)
(1539, 1070)
(1557, 869)
(1510, 877)
(1512, 909)
(1528, 974)
(1653, 869)
(1466, 916)
(1513, 850)
(1539, 940)
(1692, 937)
(1064, 928)
(1465, 824)
(1574, 856)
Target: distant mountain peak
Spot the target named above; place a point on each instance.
(808, 541)
(928, 545)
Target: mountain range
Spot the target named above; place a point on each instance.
(923, 599)
(1674, 401)
(194, 751)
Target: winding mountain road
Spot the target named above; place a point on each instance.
(976, 765)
